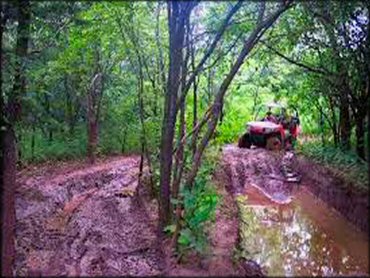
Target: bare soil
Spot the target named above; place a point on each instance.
(84, 222)
(75, 219)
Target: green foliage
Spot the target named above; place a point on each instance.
(199, 204)
(61, 147)
(65, 146)
(346, 165)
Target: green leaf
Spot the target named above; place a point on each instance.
(170, 229)
(185, 237)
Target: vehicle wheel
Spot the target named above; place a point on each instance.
(273, 143)
(245, 141)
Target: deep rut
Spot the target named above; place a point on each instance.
(85, 222)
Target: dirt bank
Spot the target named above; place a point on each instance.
(352, 203)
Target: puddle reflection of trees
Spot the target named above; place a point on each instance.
(284, 241)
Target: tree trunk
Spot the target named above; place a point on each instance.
(344, 122)
(92, 139)
(93, 106)
(334, 126)
(50, 135)
(195, 98)
(360, 137)
(123, 141)
(161, 67)
(70, 117)
(176, 21)
(250, 42)
(33, 143)
(368, 141)
(8, 199)
(9, 157)
(18, 141)
(144, 147)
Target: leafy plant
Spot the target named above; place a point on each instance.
(199, 204)
(345, 164)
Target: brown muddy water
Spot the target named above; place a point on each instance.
(302, 238)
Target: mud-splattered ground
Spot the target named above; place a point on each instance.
(259, 168)
(75, 219)
(84, 222)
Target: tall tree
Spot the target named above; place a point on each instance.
(178, 15)
(176, 95)
(9, 148)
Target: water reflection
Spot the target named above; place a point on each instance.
(286, 242)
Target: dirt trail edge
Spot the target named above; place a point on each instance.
(85, 222)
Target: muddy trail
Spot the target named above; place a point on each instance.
(317, 226)
(85, 222)
(75, 219)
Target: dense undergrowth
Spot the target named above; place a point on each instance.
(199, 203)
(345, 164)
(37, 147)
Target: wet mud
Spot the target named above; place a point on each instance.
(286, 228)
(351, 202)
(86, 222)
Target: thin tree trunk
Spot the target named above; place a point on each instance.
(50, 135)
(123, 141)
(176, 20)
(251, 41)
(33, 143)
(9, 148)
(344, 122)
(195, 97)
(158, 38)
(8, 195)
(360, 136)
(18, 143)
(195, 119)
(140, 65)
(93, 106)
(92, 139)
(334, 126)
(367, 57)
(179, 154)
(69, 106)
(144, 147)
(368, 140)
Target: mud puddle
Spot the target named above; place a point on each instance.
(302, 238)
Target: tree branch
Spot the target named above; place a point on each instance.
(297, 63)
(210, 50)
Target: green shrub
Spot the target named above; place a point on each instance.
(199, 203)
(346, 164)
